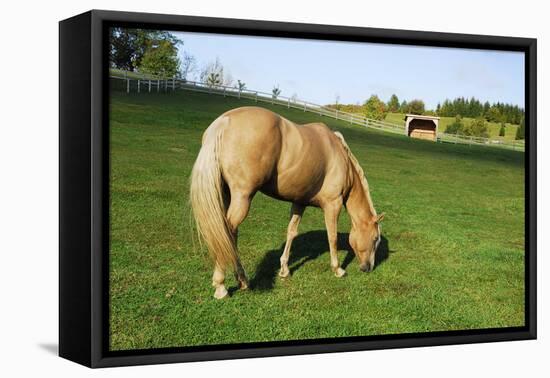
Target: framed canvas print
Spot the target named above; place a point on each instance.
(234, 188)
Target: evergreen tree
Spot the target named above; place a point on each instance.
(486, 108)
(404, 107)
(502, 130)
(520, 132)
(393, 104)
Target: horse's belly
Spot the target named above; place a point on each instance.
(298, 188)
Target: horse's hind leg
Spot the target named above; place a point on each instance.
(238, 210)
(218, 279)
(296, 212)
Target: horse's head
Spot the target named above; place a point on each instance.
(364, 240)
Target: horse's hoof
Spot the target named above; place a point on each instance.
(221, 292)
(243, 285)
(340, 272)
(284, 273)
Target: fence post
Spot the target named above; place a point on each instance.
(127, 85)
(239, 93)
(138, 85)
(256, 97)
(158, 85)
(305, 106)
(288, 103)
(173, 84)
(149, 85)
(336, 113)
(223, 91)
(470, 142)
(350, 119)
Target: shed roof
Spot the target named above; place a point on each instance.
(420, 116)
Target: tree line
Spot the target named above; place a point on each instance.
(473, 108)
(460, 107)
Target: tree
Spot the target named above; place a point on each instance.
(160, 59)
(502, 131)
(214, 74)
(404, 107)
(128, 46)
(477, 128)
(374, 108)
(188, 65)
(393, 104)
(213, 79)
(457, 127)
(275, 92)
(241, 86)
(486, 108)
(493, 115)
(520, 132)
(416, 107)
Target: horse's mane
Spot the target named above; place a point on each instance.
(358, 169)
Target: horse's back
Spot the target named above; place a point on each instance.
(250, 147)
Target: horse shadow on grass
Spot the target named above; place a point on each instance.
(307, 247)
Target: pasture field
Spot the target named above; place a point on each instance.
(493, 127)
(451, 256)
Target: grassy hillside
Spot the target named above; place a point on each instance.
(451, 256)
(493, 127)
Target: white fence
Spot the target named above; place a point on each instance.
(141, 83)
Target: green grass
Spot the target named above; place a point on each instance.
(493, 127)
(451, 258)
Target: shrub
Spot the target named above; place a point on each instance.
(502, 130)
(477, 128)
(457, 127)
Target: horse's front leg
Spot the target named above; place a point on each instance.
(332, 211)
(296, 212)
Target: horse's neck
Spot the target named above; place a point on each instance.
(359, 204)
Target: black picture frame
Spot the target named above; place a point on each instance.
(84, 187)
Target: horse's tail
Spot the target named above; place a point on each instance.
(207, 199)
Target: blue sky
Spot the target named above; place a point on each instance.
(317, 71)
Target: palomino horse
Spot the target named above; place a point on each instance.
(252, 149)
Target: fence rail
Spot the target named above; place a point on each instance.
(143, 83)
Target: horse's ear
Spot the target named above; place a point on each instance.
(380, 217)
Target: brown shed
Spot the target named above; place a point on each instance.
(421, 126)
